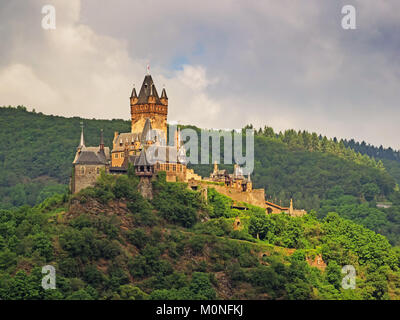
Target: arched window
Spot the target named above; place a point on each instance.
(82, 170)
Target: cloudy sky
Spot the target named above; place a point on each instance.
(226, 63)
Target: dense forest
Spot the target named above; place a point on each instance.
(372, 151)
(107, 242)
(36, 152)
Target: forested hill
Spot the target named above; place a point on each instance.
(389, 157)
(107, 242)
(36, 152)
(372, 151)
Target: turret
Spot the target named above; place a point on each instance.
(133, 98)
(164, 97)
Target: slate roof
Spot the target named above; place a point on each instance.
(164, 94)
(133, 94)
(91, 157)
(141, 160)
(148, 88)
(146, 133)
(88, 150)
(125, 137)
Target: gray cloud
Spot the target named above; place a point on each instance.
(287, 64)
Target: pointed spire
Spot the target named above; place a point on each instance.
(164, 94)
(148, 89)
(146, 133)
(101, 141)
(133, 94)
(82, 142)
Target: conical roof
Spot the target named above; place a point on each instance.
(133, 94)
(82, 141)
(146, 133)
(142, 159)
(148, 88)
(164, 94)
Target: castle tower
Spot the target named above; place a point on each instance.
(149, 105)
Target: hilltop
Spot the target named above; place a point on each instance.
(107, 242)
(36, 152)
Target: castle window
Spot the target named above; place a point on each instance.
(116, 155)
(158, 165)
(98, 170)
(82, 170)
(167, 167)
(173, 167)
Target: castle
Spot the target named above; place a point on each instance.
(146, 148)
(148, 137)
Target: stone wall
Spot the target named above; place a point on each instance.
(255, 197)
(158, 120)
(85, 176)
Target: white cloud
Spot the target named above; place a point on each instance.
(280, 63)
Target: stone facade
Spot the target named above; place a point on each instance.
(88, 164)
(85, 175)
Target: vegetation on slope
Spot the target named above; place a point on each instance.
(36, 152)
(107, 242)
